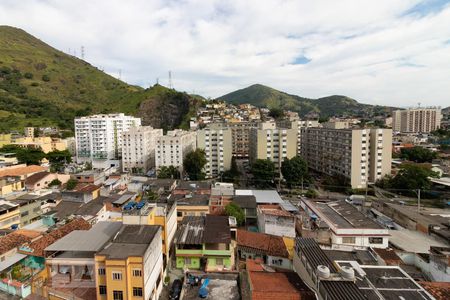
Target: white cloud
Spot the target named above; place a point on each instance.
(381, 52)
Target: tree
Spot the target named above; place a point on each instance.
(193, 164)
(168, 172)
(263, 171)
(233, 174)
(29, 156)
(71, 184)
(58, 159)
(412, 177)
(311, 193)
(418, 154)
(55, 182)
(294, 170)
(276, 113)
(236, 211)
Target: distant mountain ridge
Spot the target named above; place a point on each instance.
(335, 105)
(42, 86)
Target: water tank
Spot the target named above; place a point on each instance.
(347, 273)
(323, 271)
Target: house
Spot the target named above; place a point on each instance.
(347, 279)
(191, 205)
(262, 196)
(22, 170)
(204, 243)
(345, 227)
(82, 192)
(248, 204)
(9, 215)
(193, 187)
(272, 219)
(271, 249)
(41, 180)
(70, 261)
(130, 266)
(29, 207)
(10, 184)
(90, 176)
(222, 189)
(266, 283)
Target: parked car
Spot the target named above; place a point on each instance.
(175, 290)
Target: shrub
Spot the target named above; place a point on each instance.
(46, 78)
(28, 75)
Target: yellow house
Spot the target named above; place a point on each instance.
(192, 205)
(9, 215)
(5, 139)
(131, 266)
(47, 144)
(9, 185)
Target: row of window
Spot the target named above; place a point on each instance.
(117, 275)
(118, 295)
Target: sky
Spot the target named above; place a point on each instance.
(387, 52)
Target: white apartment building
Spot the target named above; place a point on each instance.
(98, 138)
(360, 155)
(417, 120)
(138, 149)
(173, 147)
(217, 143)
(271, 142)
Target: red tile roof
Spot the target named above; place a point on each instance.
(266, 243)
(20, 171)
(35, 178)
(439, 290)
(12, 240)
(389, 256)
(85, 188)
(274, 210)
(39, 245)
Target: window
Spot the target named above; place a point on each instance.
(137, 292)
(102, 289)
(117, 276)
(137, 273)
(179, 214)
(219, 261)
(348, 240)
(117, 295)
(101, 271)
(376, 240)
(187, 261)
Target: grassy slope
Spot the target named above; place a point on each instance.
(75, 87)
(261, 95)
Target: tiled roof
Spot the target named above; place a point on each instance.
(12, 240)
(439, 290)
(266, 243)
(85, 188)
(274, 210)
(39, 245)
(388, 255)
(33, 179)
(20, 171)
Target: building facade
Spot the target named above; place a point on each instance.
(240, 137)
(173, 147)
(359, 155)
(417, 120)
(138, 149)
(274, 143)
(216, 141)
(98, 138)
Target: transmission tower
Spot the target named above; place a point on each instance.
(82, 52)
(120, 74)
(170, 80)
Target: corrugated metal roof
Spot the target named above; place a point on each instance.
(9, 261)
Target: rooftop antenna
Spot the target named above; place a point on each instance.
(82, 52)
(170, 80)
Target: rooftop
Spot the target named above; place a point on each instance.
(195, 230)
(193, 185)
(363, 257)
(36, 248)
(13, 240)
(22, 170)
(245, 201)
(262, 243)
(406, 240)
(131, 240)
(91, 240)
(262, 196)
(191, 200)
(439, 290)
(343, 215)
(33, 179)
(274, 210)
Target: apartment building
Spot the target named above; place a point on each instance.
(10, 184)
(240, 137)
(138, 149)
(98, 138)
(298, 125)
(173, 147)
(131, 265)
(9, 215)
(46, 144)
(269, 141)
(360, 155)
(216, 141)
(417, 120)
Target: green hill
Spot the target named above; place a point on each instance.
(40, 85)
(336, 105)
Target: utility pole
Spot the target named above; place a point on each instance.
(418, 200)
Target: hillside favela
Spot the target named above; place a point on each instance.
(224, 150)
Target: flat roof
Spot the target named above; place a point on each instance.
(343, 215)
(90, 240)
(262, 196)
(406, 240)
